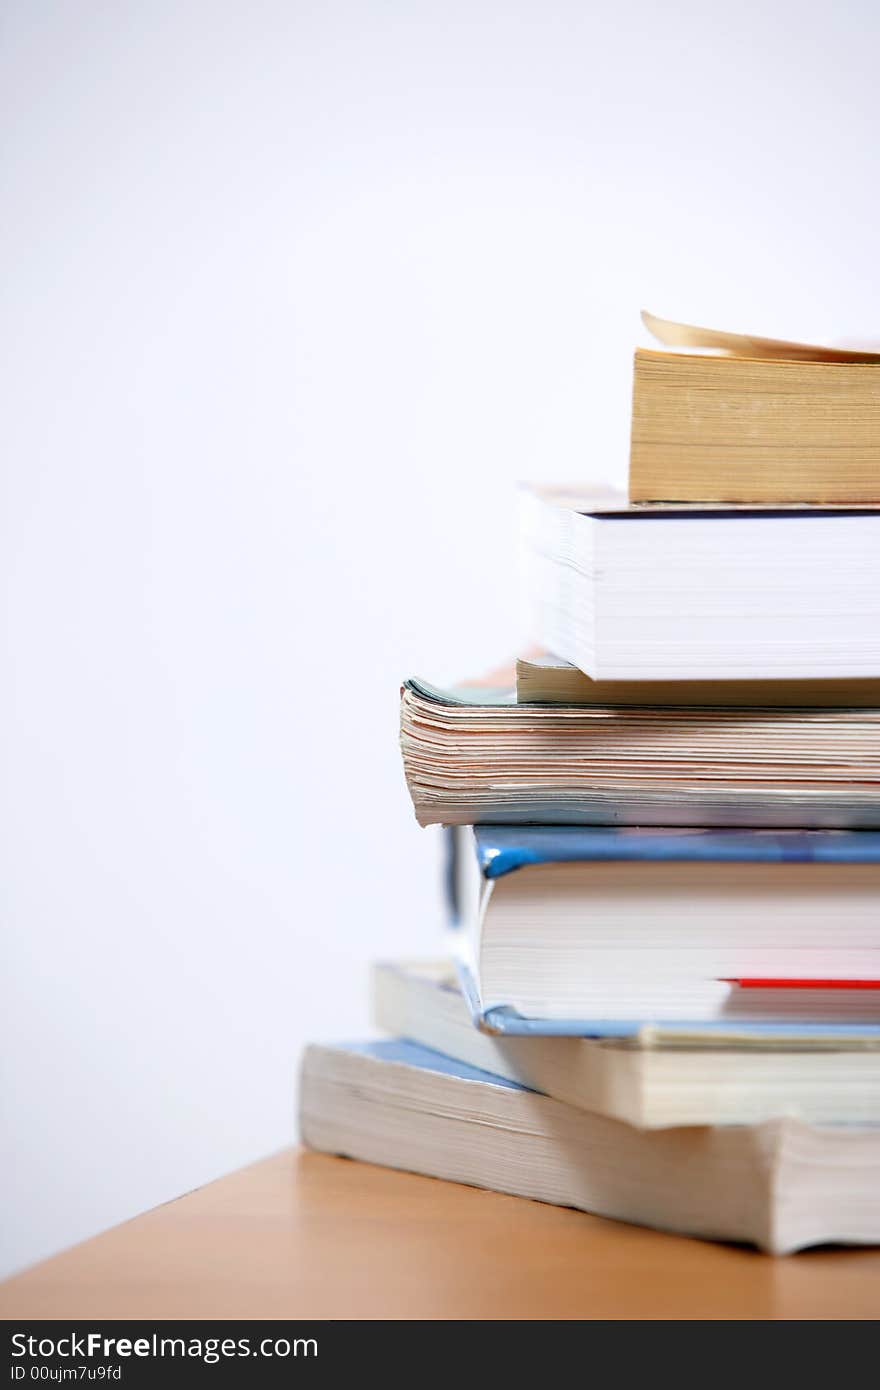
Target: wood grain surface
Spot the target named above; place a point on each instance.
(304, 1235)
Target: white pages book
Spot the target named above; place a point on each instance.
(561, 923)
(672, 592)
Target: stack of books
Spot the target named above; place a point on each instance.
(663, 1003)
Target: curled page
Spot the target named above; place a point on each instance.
(688, 335)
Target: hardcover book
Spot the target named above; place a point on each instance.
(600, 932)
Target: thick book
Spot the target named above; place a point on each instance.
(660, 592)
(474, 754)
(545, 679)
(603, 930)
(765, 421)
(781, 1185)
(655, 1079)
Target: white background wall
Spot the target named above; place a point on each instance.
(293, 292)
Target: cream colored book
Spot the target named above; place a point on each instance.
(653, 1080)
(763, 420)
(782, 1185)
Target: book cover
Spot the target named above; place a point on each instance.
(501, 849)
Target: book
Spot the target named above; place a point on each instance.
(766, 421)
(781, 1185)
(653, 1079)
(545, 679)
(475, 755)
(597, 926)
(630, 591)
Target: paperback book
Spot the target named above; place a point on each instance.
(654, 1079)
(781, 1185)
(476, 755)
(760, 420)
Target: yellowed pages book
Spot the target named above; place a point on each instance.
(762, 420)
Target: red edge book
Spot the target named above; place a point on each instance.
(804, 984)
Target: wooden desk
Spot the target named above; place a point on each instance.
(302, 1235)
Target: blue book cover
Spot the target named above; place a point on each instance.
(413, 1054)
(503, 848)
(504, 1021)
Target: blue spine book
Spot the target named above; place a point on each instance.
(504, 849)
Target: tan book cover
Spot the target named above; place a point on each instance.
(550, 680)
